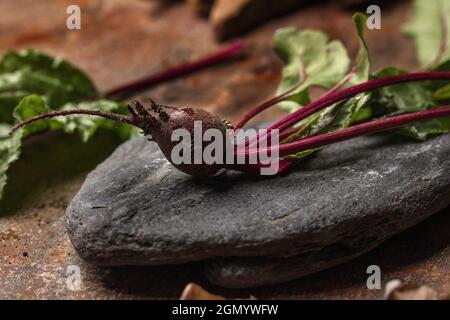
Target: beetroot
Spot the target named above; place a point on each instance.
(160, 122)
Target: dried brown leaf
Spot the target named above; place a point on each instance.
(194, 292)
(410, 291)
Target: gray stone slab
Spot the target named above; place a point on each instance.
(136, 209)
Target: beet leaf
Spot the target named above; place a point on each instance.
(32, 72)
(430, 30)
(311, 60)
(32, 83)
(340, 115)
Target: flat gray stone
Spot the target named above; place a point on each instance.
(136, 209)
(239, 272)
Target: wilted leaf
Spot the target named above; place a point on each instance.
(32, 72)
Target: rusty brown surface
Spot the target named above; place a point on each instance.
(122, 40)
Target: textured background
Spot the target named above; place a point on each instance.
(121, 40)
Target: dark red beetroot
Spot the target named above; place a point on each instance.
(160, 122)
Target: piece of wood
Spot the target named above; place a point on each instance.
(231, 18)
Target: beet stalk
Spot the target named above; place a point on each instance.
(273, 101)
(354, 90)
(161, 121)
(328, 100)
(172, 73)
(353, 132)
(62, 113)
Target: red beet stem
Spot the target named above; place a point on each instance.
(284, 165)
(273, 101)
(341, 83)
(328, 100)
(353, 132)
(263, 106)
(370, 85)
(108, 115)
(178, 71)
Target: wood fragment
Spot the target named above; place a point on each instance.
(194, 292)
(232, 18)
